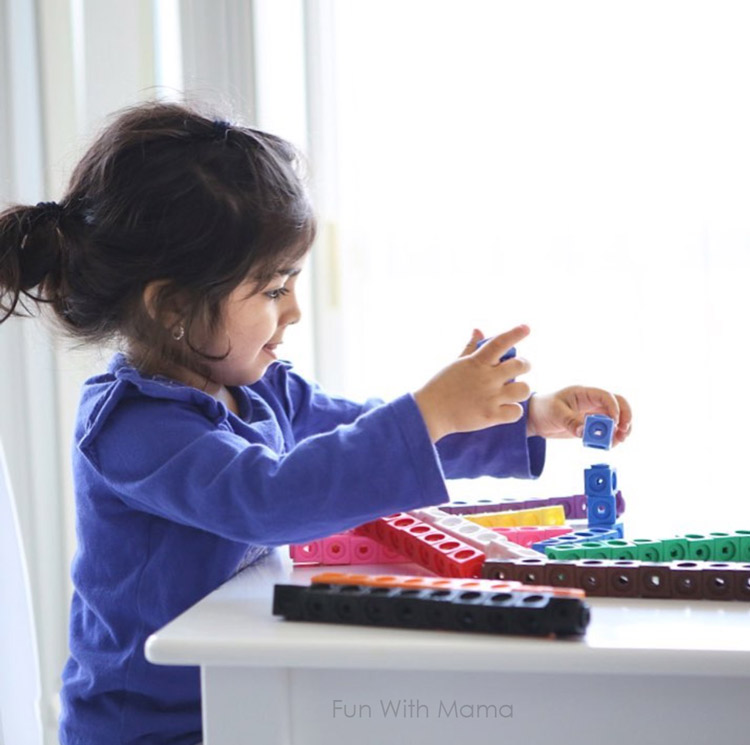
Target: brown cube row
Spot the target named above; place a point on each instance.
(687, 580)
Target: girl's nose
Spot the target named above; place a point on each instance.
(292, 312)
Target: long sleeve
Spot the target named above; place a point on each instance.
(309, 409)
(502, 451)
(168, 459)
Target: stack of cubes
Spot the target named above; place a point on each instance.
(600, 481)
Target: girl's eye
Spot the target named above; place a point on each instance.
(277, 294)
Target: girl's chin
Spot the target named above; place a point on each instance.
(249, 375)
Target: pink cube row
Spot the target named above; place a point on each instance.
(344, 548)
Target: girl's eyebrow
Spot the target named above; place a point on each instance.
(288, 272)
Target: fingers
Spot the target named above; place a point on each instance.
(509, 413)
(470, 348)
(514, 367)
(601, 402)
(495, 348)
(516, 392)
(598, 401)
(626, 419)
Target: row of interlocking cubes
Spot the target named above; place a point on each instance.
(358, 547)
(575, 506)
(448, 545)
(717, 546)
(536, 613)
(687, 580)
(409, 601)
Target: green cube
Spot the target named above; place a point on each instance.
(699, 547)
(622, 549)
(595, 550)
(564, 552)
(742, 539)
(648, 549)
(724, 547)
(674, 549)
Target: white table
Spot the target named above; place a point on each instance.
(663, 671)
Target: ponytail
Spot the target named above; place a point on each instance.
(31, 248)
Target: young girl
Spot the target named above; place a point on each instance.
(181, 238)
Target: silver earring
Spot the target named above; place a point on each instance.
(178, 332)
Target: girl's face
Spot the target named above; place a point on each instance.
(254, 326)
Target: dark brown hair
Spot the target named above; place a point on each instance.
(164, 194)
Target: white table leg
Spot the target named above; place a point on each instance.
(245, 706)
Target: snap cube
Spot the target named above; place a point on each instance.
(598, 431)
(686, 579)
(648, 549)
(623, 579)
(600, 481)
(602, 511)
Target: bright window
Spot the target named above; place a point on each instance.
(581, 167)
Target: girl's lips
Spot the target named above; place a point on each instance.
(271, 349)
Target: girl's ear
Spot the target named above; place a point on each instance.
(161, 305)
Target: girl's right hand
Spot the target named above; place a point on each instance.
(473, 392)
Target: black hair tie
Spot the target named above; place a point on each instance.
(50, 209)
(221, 129)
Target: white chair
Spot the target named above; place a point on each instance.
(20, 689)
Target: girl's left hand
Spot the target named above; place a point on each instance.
(562, 414)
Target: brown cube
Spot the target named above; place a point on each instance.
(531, 571)
(742, 582)
(655, 580)
(623, 579)
(499, 569)
(592, 576)
(686, 579)
(718, 581)
(562, 574)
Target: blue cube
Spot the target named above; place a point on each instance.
(601, 511)
(607, 532)
(598, 431)
(594, 533)
(600, 481)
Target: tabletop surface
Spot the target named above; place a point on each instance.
(234, 626)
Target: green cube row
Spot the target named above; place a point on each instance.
(734, 546)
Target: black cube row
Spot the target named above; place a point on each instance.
(538, 614)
